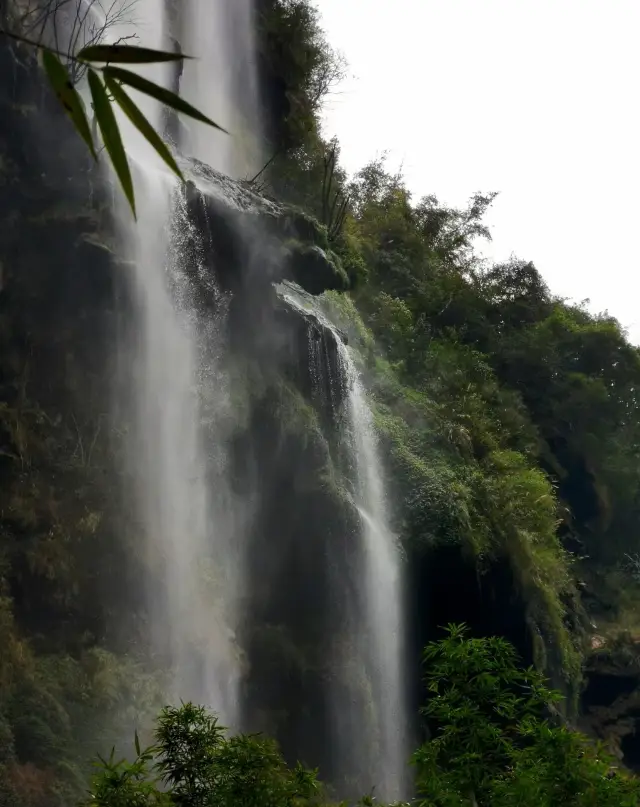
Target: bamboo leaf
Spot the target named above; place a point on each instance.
(142, 124)
(127, 54)
(137, 743)
(111, 136)
(68, 97)
(161, 94)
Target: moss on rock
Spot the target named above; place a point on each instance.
(294, 223)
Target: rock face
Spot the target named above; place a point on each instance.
(255, 241)
(611, 698)
(317, 271)
(270, 263)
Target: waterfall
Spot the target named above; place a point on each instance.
(222, 81)
(185, 542)
(171, 356)
(370, 726)
(188, 523)
(381, 592)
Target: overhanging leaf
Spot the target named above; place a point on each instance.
(111, 136)
(161, 94)
(142, 124)
(127, 54)
(68, 97)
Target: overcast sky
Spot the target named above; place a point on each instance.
(537, 99)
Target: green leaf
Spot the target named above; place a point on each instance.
(161, 94)
(68, 97)
(137, 743)
(111, 136)
(142, 124)
(127, 54)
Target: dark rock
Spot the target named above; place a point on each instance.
(292, 223)
(317, 271)
(611, 696)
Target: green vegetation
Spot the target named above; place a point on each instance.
(492, 744)
(510, 416)
(194, 763)
(497, 739)
(509, 423)
(520, 405)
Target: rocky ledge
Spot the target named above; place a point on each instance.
(272, 242)
(611, 697)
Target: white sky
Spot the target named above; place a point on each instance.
(537, 99)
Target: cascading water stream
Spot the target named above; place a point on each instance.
(170, 466)
(382, 591)
(194, 575)
(371, 743)
(222, 81)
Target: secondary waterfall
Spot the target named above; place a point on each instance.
(381, 591)
(371, 734)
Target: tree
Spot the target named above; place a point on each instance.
(193, 763)
(335, 202)
(497, 739)
(298, 69)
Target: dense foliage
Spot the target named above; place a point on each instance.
(535, 397)
(195, 764)
(497, 739)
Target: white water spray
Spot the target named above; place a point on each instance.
(221, 81)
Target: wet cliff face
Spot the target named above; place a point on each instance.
(302, 535)
(611, 698)
(301, 529)
(58, 315)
